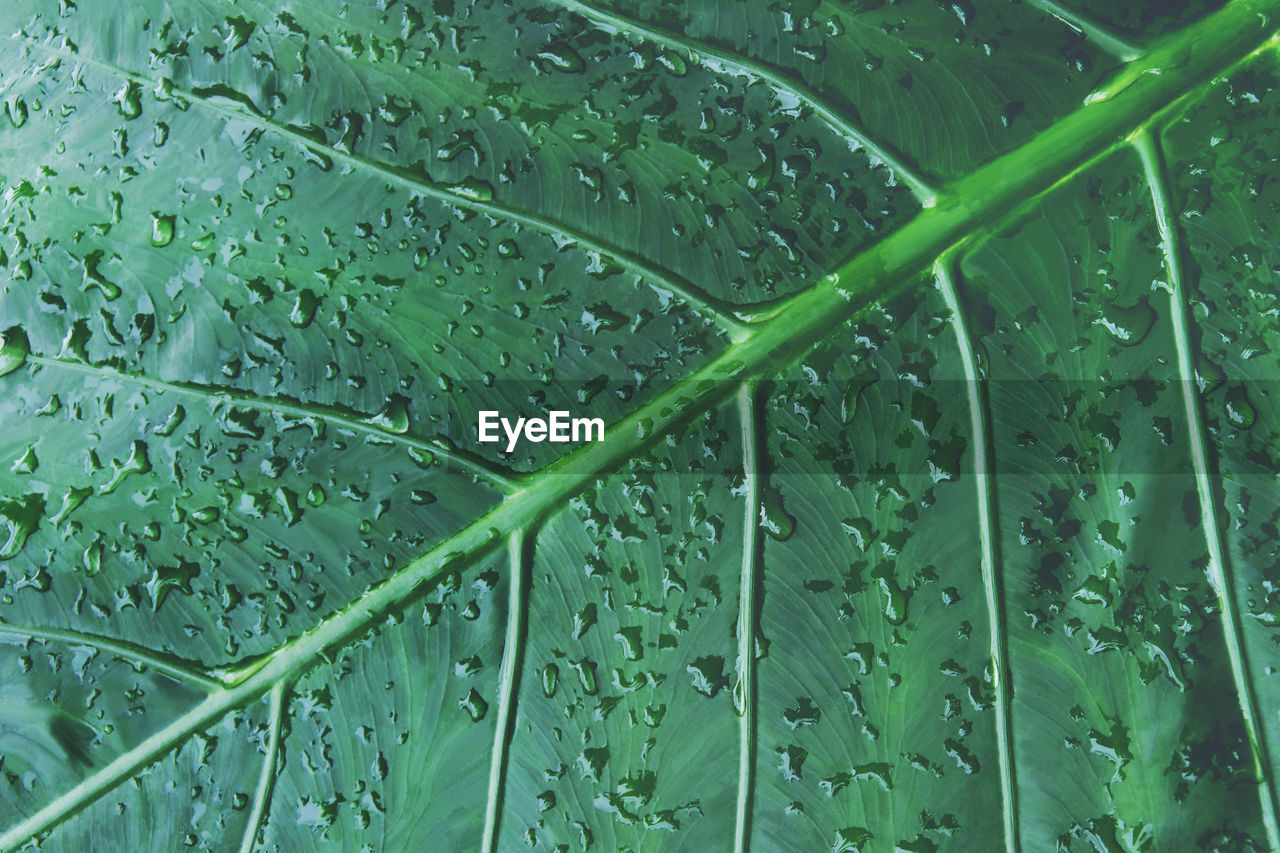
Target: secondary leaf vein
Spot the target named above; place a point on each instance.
(732, 318)
(1219, 569)
(924, 192)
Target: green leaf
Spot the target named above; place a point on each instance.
(936, 507)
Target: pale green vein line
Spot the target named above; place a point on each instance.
(508, 690)
(719, 312)
(1119, 47)
(923, 191)
(125, 765)
(993, 588)
(135, 654)
(505, 480)
(745, 694)
(1186, 59)
(267, 775)
(1220, 574)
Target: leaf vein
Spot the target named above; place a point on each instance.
(504, 479)
(1219, 570)
(730, 317)
(947, 275)
(509, 688)
(880, 271)
(921, 188)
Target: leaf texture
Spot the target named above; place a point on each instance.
(936, 507)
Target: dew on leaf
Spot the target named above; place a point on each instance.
(791, 760)
(560, 57)
(394, 416)
(584, 619)
(93, 558)
(550, 679)
(895, 597)
(14, 349)
(1129, 324)
(165, 579)
(851, 839)
(27, 463)
(93, 277)
(774, 518)
(16, 110)
(205, 515)
(586, 670)
(708, 674)
(73, 498)
(592, 762)
(853, 389)
(287, 500)
(161, 228)
(475, 705)
(19, 518)
(171, 423)
(137, 463)
(632, 647)
(1094, 590)
(128, 100)
(878, 772)
(1241, 413)
(304, 308)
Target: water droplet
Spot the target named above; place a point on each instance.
(16, 110)
(94, 278)
(161, 229)
(137, 463)
(632, 646)
(584, 619)
(19, 519)
(791, 762)
(1240, 410)
(128, 100)
(304, 308)
(1093, 591)
(14, 349)
(708, 674)
(895, 597)
(175, 419)
(774, 517)
(475, 705)
(93, 557)
(851, 839)
(474, 189)
(165, 579)
(586, 675)
(27, 463)
(287, 500)
(560, 57)
(876, 771)
(592, 761)
(206, 515)
(1129, 324)
(550, 679)
(394, 416)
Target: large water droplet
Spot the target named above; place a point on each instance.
(161, 229)
(1129, 324)
(14, 349)
(1240, 410)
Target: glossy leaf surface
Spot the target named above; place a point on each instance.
(936, 507)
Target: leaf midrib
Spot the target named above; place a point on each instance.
(1142, 91)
